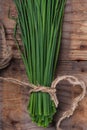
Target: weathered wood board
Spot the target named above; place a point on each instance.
(72, 60)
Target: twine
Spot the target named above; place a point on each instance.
(6, 50)
(33, 88)
(52, 89)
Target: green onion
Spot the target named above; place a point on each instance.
(40, 23)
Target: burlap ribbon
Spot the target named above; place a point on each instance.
(52, 89)
(6, 52)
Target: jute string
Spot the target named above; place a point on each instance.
(6, 50)
(52, 89)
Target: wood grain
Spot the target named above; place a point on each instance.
(72, 60)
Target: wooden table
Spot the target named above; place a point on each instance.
(72, 60)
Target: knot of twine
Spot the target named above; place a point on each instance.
(52, 89)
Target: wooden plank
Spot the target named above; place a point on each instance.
(73, 61)
(65, 55)
(77, 67)
(12, 103)
(73, 11)
(78, 28)
(66, 45)
(66, 35)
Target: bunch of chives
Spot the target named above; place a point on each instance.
(40, 24)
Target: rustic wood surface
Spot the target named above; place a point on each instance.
(72, 60)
